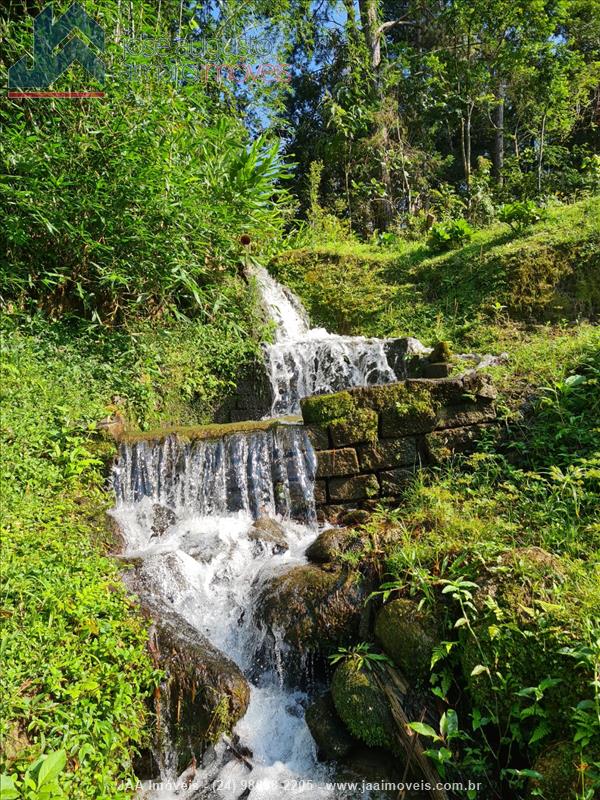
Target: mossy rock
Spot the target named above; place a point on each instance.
(411, 409)
(323, 409)
(558, 767)
(312, 609)
(363, 706)
(360, 426)
(331, 543)
(327, 729)
(441, 353)
(207, 692)
(407, 635)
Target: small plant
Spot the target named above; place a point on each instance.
(360, 655)
(39, 781)
(520, 214)
(450, 235)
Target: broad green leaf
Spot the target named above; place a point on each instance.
(52, 766)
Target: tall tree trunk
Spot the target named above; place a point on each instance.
(373, 33)
(498, 156)
(541, 154)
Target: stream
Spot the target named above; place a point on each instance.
(206, 567)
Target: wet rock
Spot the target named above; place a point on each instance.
(327, 729)
(320, 492)
(354, 516)
(312, 609)
(407, 635)
(331, 543)
(337, 462)
(362, 705)
(204, 693)
(270, 533)
(360, 487)
(162, 519)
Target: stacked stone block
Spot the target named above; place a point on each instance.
(370, 440)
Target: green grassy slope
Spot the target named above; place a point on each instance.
(547, 272)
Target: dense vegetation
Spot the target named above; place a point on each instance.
(432, 169)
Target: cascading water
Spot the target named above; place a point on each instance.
(203, 563)
(207, 568)
(304, 361)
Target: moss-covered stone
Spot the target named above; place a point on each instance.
(331, 543)
(362, 705)
(388, 453)
(319, 437)
(441, 445)
(407, 635)
(394, 481)
(333, 463)
(191, 433)
(207, 692)
(441, 353)
(326, 408)
(313, 609)
(411, 409)
(360, 487)
(468, 413)
(332, 739)
(361, 426)
(320, 492)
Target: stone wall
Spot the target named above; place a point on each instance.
(369, 441)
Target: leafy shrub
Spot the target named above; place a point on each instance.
(450, 235)
(133, 205)
(520, 214)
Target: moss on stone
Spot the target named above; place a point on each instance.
(407, 635)
(441, 353)
(361, 427)
(193, 433)
(322, 409)
(411, 409)
(362, 706)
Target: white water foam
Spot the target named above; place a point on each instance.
(305, 361)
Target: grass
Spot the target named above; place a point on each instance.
(76, 670)
(509, 540)
(548, 271)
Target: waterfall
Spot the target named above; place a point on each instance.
(186, 511)
(202, 562)
(256, 473)
(304, 361)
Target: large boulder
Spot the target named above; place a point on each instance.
(332, 739)
(362, 705)
(331, 543)
(313, 610)
(407, 635)
(203, 695)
